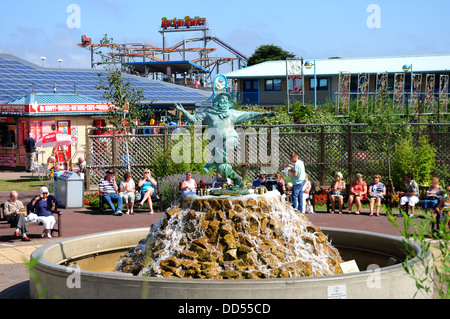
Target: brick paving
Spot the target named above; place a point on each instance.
(14, 277)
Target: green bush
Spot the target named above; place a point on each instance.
(418, 159)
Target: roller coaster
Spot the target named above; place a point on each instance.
(143, 53)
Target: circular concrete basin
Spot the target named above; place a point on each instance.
(83, 268)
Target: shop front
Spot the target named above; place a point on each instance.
(40, 114)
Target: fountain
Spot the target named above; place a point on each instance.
(232, 245)
(251, 237)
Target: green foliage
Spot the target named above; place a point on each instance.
(118, 90)
(420, 231)
(416, 159)
(268, 52)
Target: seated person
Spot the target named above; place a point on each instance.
(15, 214)
(82, 165)
(337, 192)
(377, 191)
(108, 188)
(147, 185)
(127, 192)
(358, 192)
(43, 206)
(258, 182)
(410, 195)
(272, 183)
(444, 204)
(218, 181)
(434, 195)
(189, 185)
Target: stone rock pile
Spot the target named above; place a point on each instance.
(245, 237)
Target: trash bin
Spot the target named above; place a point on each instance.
(70, 190)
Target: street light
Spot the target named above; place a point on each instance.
(308, 65)
(409, 68)
(43, 58)
(60, 61)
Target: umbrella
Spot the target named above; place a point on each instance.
(56, 139)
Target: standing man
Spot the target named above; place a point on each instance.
(30, 150)
(298, 180)
(15, 215)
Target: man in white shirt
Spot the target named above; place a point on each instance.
(298, 180)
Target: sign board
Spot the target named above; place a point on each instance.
(185, 23)
(349, 267)
(49, 108)
(337, 292)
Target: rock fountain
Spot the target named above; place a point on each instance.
(203, 244)
(251, 237)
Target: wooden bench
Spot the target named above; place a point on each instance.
(4, 223)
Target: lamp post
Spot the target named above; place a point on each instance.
(43, 58)
(308, 65)
(60, 61)
(409, 68)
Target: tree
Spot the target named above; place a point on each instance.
(268, 52)
(118, 90)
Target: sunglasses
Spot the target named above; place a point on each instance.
(44, 193)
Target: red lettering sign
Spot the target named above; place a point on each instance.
(187, 23)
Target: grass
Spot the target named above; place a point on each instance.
(22, 184)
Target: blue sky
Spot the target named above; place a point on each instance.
(31, 29)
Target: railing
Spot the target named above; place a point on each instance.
(325, 149)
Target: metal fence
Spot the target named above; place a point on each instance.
(325, 149)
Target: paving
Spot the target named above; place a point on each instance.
(14, 253)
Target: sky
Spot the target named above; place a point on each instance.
(308, 29)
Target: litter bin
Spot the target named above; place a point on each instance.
(70, 190)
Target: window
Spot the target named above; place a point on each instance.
(273, 85)
(323, 84)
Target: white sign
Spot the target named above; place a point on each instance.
(337, 292)
(349, 267)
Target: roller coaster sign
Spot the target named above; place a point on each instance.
(187, 23)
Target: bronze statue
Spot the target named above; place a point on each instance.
(220, 118)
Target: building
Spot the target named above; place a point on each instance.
(40, 100)
(276, 82)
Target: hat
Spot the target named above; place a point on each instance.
(110, 171)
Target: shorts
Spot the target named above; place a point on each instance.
(410, 200)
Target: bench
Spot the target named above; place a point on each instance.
(156, 200)
(4, 223)
(387, 200)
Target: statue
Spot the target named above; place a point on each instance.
(222, 118)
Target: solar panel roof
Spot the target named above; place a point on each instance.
(19, 77)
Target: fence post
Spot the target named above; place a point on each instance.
(166, 140)
(114, 152)
(87, 174)
(350, 151)
(432, 134)
(322, 154)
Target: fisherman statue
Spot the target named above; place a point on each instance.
(220, 118)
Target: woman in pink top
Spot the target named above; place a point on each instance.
(358, 192)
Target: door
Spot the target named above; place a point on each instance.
(250, 92)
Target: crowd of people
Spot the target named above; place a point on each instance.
(41, 208)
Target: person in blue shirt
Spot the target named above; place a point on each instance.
(377, 191)
(147, 185)
(258, 182)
